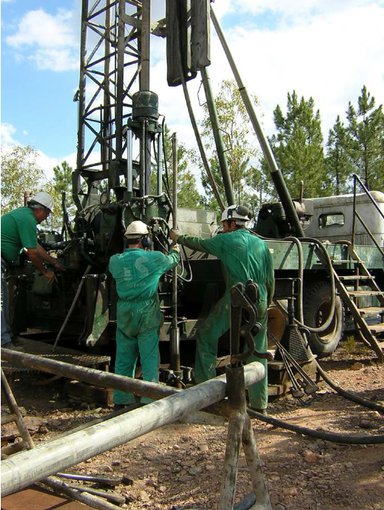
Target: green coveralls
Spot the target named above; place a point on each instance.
(137, 273)
(18, 231)
(244, 257)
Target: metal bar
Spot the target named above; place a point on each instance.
(88, 375)
(199, 142)
(74, 301)
(113, 497)
(84, 497)
(276, 175)
(101, 480)
(217, 137)
(145, 45)
(14, 408)
(25, 468)
(357, 215)
(175, 337)
(160, 165)
(129, 163)
(354, 212)
(120, 92)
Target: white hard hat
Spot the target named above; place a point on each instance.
(136, 229)
(42, 198)
(239, 213)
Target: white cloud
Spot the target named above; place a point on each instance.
(49, 40)
(328, 55)
(7, 132)
(326, 50)
(47, 163)
(289, 10)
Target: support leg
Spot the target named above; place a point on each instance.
(253, 461)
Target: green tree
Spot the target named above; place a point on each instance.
(366, 140)
(298, 147)
(247, 178)
(338, 162)
(20, 174)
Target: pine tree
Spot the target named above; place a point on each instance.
(366, 140)
(298, 147)
(337, 161)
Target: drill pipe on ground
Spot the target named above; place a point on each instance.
(89, 375)
(25, 468)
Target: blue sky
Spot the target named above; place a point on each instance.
(40, 74)
(326, 49)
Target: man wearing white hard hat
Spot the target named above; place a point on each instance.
(244, 257)
(18, 235)
(137, 272)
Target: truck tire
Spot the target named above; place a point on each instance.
(317, 300)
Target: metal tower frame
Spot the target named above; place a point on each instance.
(114, 63)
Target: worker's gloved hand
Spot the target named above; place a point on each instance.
(50, 276)
(175, 247)
(174, 235)
(59, 266)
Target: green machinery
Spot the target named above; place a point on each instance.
(122, 174)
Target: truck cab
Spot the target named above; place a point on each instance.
(332, 218)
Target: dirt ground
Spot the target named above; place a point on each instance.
(180, 466)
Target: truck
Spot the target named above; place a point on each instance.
(121, 175)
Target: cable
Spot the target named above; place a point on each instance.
(327, 436)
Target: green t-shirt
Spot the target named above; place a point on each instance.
(18, 231)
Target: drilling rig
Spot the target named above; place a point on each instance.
(122, 175)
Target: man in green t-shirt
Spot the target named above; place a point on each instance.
(244, 257)
(137, 272)
(19, 234)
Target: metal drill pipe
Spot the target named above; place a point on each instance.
(25, 468)
(88, 375)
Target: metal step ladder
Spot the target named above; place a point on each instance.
(364, 299)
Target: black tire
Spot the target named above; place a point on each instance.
(317, 301)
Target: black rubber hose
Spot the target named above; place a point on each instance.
(327, 436)
(348, 395)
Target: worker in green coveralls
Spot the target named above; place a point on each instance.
(244, 257)
(137, 272)
(18, 236)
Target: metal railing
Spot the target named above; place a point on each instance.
(356, 215)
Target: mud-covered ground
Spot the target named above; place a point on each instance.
(180, 466)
